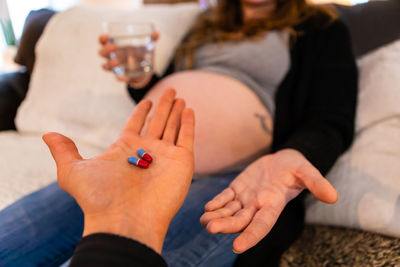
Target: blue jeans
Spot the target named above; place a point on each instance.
(43, 228)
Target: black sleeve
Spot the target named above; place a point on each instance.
(328, 128)
(138, 94)
(112, 250)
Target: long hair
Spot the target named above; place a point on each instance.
(225, 23)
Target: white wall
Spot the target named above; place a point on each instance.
(114, 3)
(19, 9)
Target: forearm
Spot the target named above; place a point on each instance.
(321, 147)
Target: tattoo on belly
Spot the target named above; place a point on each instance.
(263, 122)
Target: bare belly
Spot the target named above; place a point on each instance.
(232, 125)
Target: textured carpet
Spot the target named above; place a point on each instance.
(332, 246)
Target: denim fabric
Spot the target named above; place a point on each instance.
(188, 243)
(40, 229)
(43, 228)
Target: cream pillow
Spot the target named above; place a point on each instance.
(26, 164)
(367, 176)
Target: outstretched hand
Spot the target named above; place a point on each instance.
(120, 198)
(255, 199)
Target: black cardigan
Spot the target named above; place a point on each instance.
(316, 103)
(111, 250)
(315, 111)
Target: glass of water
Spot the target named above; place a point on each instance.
(134, 50)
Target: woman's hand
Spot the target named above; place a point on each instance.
(255, 199)
(120, 198)
(107, 49)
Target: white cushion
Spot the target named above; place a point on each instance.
(71, 94)
(367, 176)
(26, 164)
(379, 96)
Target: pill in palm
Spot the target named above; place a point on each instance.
(138, 162)
(144, 155)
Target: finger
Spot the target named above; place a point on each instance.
(122, 78)
(155, 35)
(186, 131)
(106, 50)
(232, 224)
(220, 200)
(139, 82)
(317, 184)
(228, 210)
(157, 123)
(103, 39)
(62, 149)
(110, 64)
(106, 66)
(136, 121)
(172, 129)
(259, 227)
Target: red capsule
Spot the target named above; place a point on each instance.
(138, 162)
(144, 164)
(144, 155)
(147, 158)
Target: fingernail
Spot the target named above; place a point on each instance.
(144, 155)
(236, 252)
(138, 162)
(112, 55)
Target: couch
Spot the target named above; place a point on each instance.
(319, 245)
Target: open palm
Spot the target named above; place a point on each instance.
(110, 186)
(254, 200)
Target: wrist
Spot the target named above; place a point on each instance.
(291, 151)
(151, 235)
(141, 82)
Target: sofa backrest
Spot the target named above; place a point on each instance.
(371, 25)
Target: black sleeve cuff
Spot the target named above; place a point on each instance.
(320, 151)
(113, 250)
(138, 94)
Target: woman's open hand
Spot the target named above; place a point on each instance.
(255, 199)
(121, 198)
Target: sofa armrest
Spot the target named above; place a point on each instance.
(34, 26)
(13, 87)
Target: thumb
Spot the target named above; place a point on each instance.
(317, 184)
(62, 149)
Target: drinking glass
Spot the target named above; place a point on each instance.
(134, 50)
(207, 3)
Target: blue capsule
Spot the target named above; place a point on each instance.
(138, 162)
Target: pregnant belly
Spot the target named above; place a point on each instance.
(233, 127)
